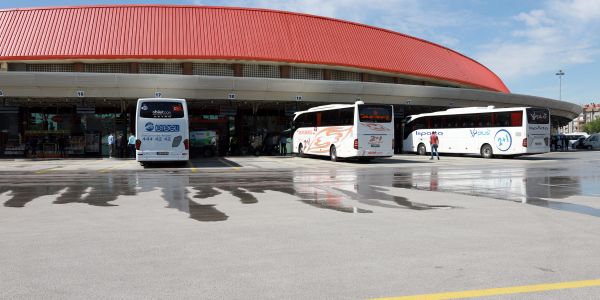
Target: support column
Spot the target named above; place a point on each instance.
(326, 74)
(188, 68)
(238, 70)
(284, 71)
(79, 67)
(364, 77)
(134, 67)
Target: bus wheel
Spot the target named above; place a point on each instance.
(421, 149)
(300, 151)
(589, 147)
(487, 151)
(333, 153)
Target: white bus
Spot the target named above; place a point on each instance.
(162, 130)
(485, 131)
(363, 131)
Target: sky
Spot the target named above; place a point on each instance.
(525, 42)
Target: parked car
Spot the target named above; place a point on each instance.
(578, 144)
(592, 142)
(574, 138)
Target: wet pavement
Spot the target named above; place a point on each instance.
(302, 228)
(346, 190)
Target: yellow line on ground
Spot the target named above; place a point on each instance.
(192, 167)
(502, 291)
(44, 171)
(230, 165)
(105, 170)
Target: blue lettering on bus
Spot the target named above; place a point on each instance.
(503, 140)
(422, 133)
(166, 128)
(479, 132)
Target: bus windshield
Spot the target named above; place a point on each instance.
(538, 116)
(161, 110)
(375, 113)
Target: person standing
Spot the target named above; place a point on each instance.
(33, 144)
(131, 145)
(62, 146)
(283, 145)
(434, 142)
(111, 143)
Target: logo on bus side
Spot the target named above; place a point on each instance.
(422, 133)
(149, 126)
(503, 140)
(375, 141)
(161, 128)
(538, 127)
(476, 132)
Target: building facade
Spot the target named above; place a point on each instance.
(589, 113)
(74, 73)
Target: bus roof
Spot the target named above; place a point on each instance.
(323, 107)
(466, 110)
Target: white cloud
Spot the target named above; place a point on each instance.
(545, 40)
(582, 10)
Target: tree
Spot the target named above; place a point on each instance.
(592, 127)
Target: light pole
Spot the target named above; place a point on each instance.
(560, 74)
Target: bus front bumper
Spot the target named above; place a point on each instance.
(161, 156)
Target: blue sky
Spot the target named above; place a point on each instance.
(525, 42)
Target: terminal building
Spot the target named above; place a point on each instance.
(74, 73)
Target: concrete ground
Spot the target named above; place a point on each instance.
(271, 227)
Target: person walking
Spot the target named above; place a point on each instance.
(434, 142)
(131, 145)
(111, 144)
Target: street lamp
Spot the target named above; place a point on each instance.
(560, 74)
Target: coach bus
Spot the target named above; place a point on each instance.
(362, 131)
(162, 130)
(485, 131)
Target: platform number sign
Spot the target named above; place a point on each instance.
(157, 94)
(1, 93)
(298, 98)
(80, 93)
(231, 96)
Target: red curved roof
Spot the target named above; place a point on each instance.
(199, 32)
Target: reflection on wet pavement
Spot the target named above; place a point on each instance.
(534, 186)
(347, 191)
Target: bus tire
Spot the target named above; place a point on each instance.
(487, 151)
(421, 150)
(300, 151)
(333, 153)
(589, 147)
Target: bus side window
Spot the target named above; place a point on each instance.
(347, 116)
(311, 119)
(427, 122)
(435, 122)
(486, 120)
(502, 119)
(516, 118)
(301, 121)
